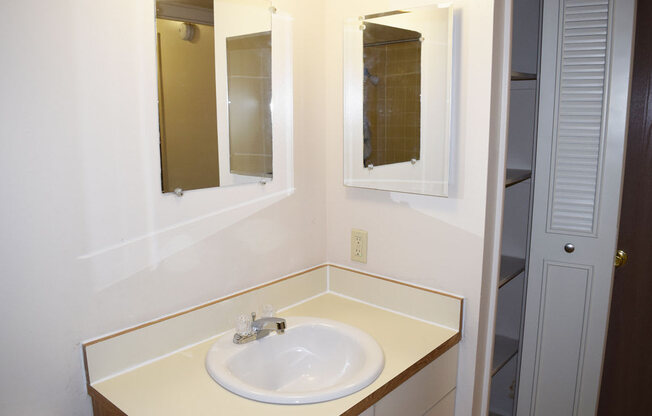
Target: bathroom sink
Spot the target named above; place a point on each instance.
(315, 360)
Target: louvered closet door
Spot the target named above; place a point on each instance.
(585, 66)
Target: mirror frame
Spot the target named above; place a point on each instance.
(257, 18)
(282, 181)
(430, 174)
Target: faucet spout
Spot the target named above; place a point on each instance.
(260, 328)
(269, 324)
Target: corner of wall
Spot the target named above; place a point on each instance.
(495, 192)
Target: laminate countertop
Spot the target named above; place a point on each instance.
(178, 384)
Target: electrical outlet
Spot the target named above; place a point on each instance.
(359, 246)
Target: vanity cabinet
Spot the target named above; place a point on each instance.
(128, 375)
(430, 392)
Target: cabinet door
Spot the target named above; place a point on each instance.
(584, 82)
(424, 389)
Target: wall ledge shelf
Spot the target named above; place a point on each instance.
(505, 348)
(510, 267)
(515, 176)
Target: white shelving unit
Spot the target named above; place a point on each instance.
(523, 76)
(516, 215)
(510, 267)
(514, 176)
(505, 348)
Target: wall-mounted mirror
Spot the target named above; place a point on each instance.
(215, 92)
(397, 89)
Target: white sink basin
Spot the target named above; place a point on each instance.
(315, 360)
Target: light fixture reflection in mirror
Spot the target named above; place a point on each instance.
(205, 144)
(397, 100)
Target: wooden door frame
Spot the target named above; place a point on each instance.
(622, 340)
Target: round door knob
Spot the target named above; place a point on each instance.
(569, 248)
(621, 258)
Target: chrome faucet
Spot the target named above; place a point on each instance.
(260, 328)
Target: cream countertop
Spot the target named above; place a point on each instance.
(179, 384)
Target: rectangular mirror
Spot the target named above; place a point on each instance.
(397, 112)
(215, 92)
(391, 111)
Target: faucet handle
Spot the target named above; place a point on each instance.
(267, 310)
(243, 324)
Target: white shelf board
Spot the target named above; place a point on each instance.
(505, 349)
(515, 176)
(522, 76)
(510, 267)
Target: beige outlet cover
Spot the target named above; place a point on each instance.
(359, 245)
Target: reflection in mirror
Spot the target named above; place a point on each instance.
(244, 89)
(397, 88)
(392, 94)
(205, 144)
(186, 82)
(249, 59)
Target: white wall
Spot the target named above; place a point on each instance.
(431, 241)
(89, 244)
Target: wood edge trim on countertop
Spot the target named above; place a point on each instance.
(85, 359)
(461, 315)
(398, 282)
(103, 406)
(402, 377)
(201, 306)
